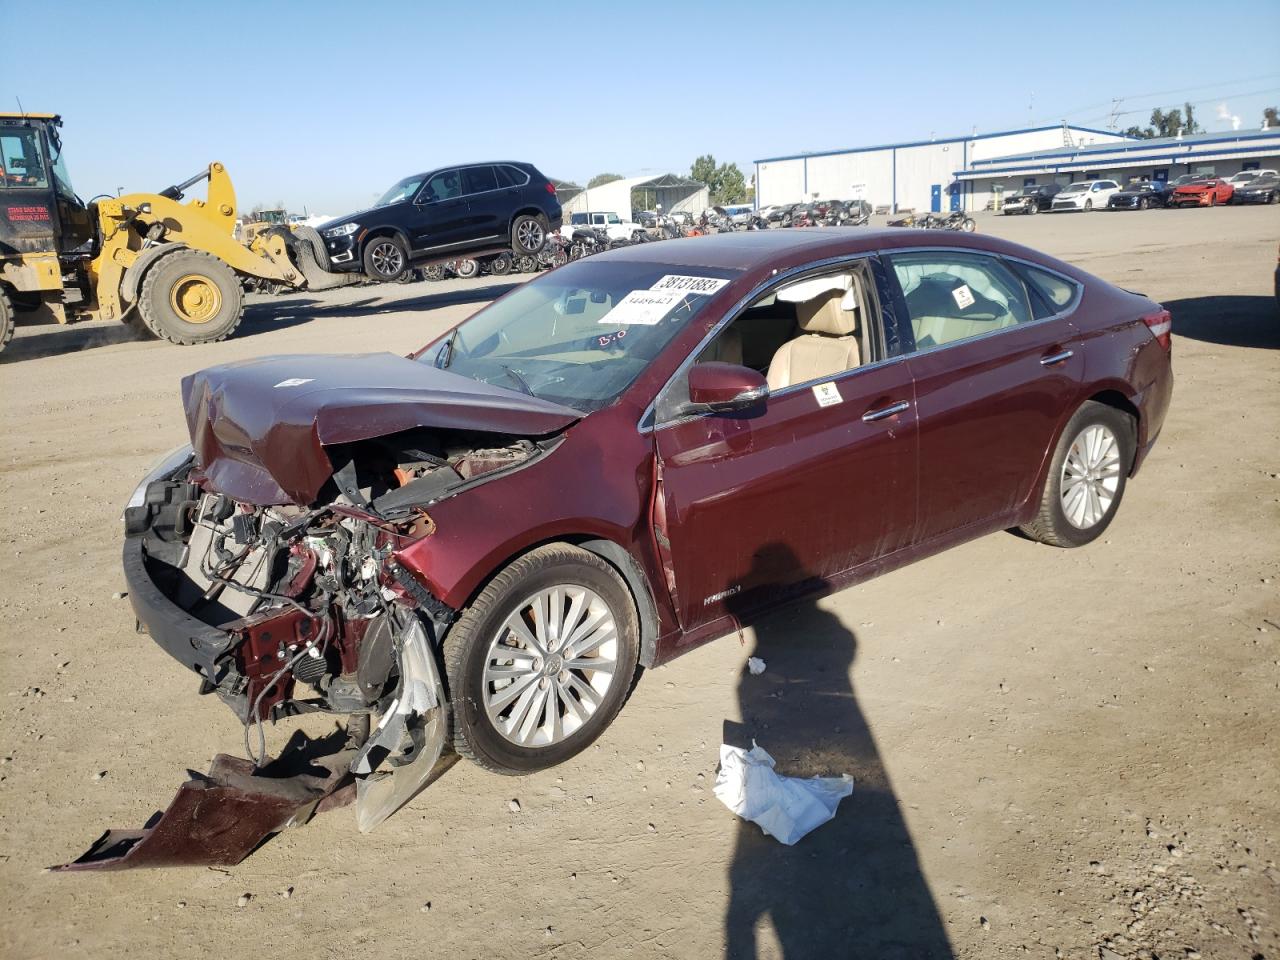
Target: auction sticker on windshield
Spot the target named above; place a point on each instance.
(642, 307)
(701, 285)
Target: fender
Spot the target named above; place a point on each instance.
(376, 232)
(633, 574)
(136, 270)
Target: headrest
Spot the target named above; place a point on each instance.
(825, 314)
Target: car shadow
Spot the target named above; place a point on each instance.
(1232, 321)
(853, 887)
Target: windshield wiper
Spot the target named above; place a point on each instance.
(445, 356)
(521, 382)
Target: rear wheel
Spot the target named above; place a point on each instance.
(466, 268)
(6, 318)
(1086, 479)
(542, 661)
(529, 233)
(385, 259)
(191, 297)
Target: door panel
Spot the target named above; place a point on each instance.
(440, 213)
(992, 384)
(758, 505)
(485, 203)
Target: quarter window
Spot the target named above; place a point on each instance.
(1055, 289)
(478, 180)
(957, 296)
(509, 176)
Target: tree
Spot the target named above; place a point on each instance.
(1270, 118)
(600, 179)
(1168, 124)
(725, 182)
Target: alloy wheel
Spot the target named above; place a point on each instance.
(387, 259)
(550, 665)
(1090, 476)
(530, 235)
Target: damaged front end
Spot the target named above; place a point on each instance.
(284, 610)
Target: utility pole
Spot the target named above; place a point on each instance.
(1114, 119)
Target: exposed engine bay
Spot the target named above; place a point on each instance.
(285, 610)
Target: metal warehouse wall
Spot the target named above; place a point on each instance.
(905, 175)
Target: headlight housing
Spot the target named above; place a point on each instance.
(165, 467)
(344, 230)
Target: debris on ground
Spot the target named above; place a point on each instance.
(786, 808)
(755, 665)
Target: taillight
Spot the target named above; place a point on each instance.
(1160, 324)
(551, 189)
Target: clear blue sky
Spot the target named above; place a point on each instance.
(326, 104)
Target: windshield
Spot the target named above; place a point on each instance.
(404, 190)
(1075, 188)
(579, 335)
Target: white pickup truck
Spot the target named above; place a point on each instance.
(610, 223)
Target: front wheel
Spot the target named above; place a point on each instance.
(1088, 205)
(528, 233)
(967, 225)
(500, 265)
(6, 319)
(385, 259)
(542, 661)
(1086, 479)
(466, 269)
(191, 297)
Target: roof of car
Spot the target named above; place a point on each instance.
(751, 250)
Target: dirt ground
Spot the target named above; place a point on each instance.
(1056, 753)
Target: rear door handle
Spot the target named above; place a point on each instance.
(871, 416)
(1053, 358)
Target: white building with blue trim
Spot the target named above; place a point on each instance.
(920, 175)
(1220, 154)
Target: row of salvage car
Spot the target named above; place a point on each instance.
(1189, 190)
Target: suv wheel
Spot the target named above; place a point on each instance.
(385, 259)
(529, 233)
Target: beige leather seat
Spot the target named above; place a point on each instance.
(828, 344)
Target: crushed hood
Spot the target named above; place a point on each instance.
(259, 427)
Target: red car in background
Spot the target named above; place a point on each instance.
(630, 455)
(1208, 192)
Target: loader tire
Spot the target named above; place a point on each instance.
(191, 297)
(6, 318)
(312, 236)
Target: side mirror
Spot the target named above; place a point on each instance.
(725, 386)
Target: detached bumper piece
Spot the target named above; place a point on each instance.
(220, 818)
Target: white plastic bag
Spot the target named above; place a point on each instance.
(785, 807)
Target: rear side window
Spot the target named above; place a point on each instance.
(509, 176)
(958, 296)
(1058, 291)
(478, 180)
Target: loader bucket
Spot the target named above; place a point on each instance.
(220, 818)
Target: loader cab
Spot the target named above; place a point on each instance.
(39, 210)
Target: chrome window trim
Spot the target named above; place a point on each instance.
(774, 279)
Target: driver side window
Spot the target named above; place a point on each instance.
(443, 186)
(799, 331)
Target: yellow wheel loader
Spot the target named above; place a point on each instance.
(174, 266)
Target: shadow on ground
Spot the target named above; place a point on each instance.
(1233, 321)
(854, 886)
(47, 339)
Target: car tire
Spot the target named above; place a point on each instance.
(1086, 478)
(466, 269)
(500, 265)
(385, 259)
(529, 233)
(190, 296)
(1143, 203)
(515, 733)
(1034, 208)
(433, 272)
(1088, 206)
(6, 319)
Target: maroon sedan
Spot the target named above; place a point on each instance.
(618, 460)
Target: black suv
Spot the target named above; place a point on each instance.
(445, 213)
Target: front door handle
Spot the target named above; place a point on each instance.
(871, 416)
(1053, 358)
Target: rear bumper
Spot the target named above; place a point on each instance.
(1153, 406)
(193, 643)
